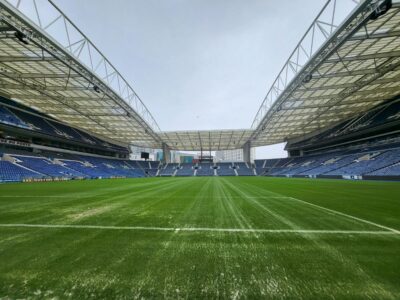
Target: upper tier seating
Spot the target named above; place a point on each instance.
(384, 114)
(7, 117)
(34, 121)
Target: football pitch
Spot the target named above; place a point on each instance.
(210, 237)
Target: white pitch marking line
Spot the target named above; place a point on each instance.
(346, 215)
(198, 229)
(44, 196)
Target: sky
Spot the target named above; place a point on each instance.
(198, 64)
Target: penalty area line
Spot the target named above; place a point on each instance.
(200, 229)
(335, 212)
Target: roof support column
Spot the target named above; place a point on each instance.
(166, 153)
(247, 152)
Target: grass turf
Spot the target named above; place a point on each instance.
(173, 238)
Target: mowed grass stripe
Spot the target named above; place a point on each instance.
(112, 201)
(199, 229)
(274, 195)
(294, 215)
(198, 238)
(216, 196)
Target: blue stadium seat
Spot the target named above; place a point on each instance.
(225, 169)
(185, 169)
(205, 169)
(243, 170)
(13, 172)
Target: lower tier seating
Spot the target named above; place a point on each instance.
(205, 169)
(185, 169)
(13, 172)
(369, 163)
(363, 163)
(225, 169)
(242, 169)
(21, 167)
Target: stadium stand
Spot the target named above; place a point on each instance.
(20, 167)
(392, 170)
(205, 169)
(259, 166)
(169, 169)
(370, 162)
(225, 169)
(242, 169)
(154, 164)
(13, 172)
(7, 117)
(366, 146)
(185, 169)
(84, 168)
(331, 128)
(32, 121)
(45, 166)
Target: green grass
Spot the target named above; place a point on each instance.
(173, 238)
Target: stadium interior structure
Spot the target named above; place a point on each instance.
(67, 113)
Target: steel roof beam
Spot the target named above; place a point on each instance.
(344, 73)
(38, 87)
(39, 75)
(358, 86)
(7, 59)
(329, 105)
(364, 57)
(360, 16)
(70, 99)
(340, 90)
(122, 94)
(344, 85)
(378, 35)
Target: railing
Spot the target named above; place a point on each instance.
(46, 15)
(332, 14)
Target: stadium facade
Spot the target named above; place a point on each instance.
(66, 112)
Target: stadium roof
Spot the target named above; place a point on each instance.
(338, 69)
(67, 77)
(355, 68)
(206, 140)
